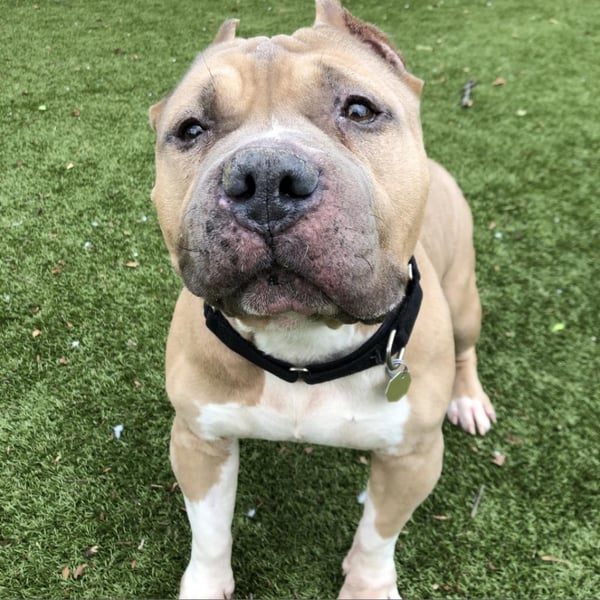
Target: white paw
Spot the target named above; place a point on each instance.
(356, 592)
(472, 414)
(198, 583)
(373, 581)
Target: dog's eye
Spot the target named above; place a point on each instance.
(190, 130)
(360, 110)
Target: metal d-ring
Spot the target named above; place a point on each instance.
(393, 364)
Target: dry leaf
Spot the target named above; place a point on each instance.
(79, 571)
(36, 333)
(441, 517)
(512, 439)
(91, 551)
(132, 264)
(137, 384)
(499, 81)
(66, 572)
(499, 459)
(363, 460)
(56, 271)
(75, 112)
(107, 470)
(308, 450)
(133, 564)
(549, 558)
(63, 361)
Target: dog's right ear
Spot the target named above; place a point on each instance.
(332, 14)
(155, 112)
(226, 32)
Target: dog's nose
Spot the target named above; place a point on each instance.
(269, 188)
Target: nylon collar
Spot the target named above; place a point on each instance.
(370, 354)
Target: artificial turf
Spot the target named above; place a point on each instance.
(86, 293)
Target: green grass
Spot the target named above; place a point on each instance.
(75, 209)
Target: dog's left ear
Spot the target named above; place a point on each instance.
(155, 112)
(332, 14)
(226, 32)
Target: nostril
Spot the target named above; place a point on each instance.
(250, 188)
(286, 187)
(299, 184)
(238, 184)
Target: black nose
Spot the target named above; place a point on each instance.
(269, 188)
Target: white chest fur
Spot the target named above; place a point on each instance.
(352, 412)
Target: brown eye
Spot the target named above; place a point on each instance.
(359, 111)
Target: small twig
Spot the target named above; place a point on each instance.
(477, 501)
(467, 101)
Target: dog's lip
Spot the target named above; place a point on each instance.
(278, 291)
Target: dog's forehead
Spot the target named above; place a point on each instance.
(301, 57)
(264, 51)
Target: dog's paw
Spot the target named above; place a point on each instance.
(197, 583)
(474, 415)
(373, 581)
(355, 592)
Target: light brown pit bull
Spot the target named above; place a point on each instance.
(329, 278)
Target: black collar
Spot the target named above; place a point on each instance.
(370, 354)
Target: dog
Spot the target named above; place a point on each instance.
(329, 280)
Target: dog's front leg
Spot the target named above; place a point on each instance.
(398, 484)
(207, 475)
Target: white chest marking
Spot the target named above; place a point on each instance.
(352, 413)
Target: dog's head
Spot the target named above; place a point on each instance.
(290, 171)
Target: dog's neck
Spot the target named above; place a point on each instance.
(386, 341)
(299, 340)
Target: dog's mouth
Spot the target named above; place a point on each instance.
(278, 291)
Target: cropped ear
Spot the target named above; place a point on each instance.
(155, 112)
(226, 32)
(332, 14)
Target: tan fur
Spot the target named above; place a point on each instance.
(224, 376)
(196, 462)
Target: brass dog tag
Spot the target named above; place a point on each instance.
(399, 382)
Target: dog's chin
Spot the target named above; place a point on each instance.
(273, 294)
